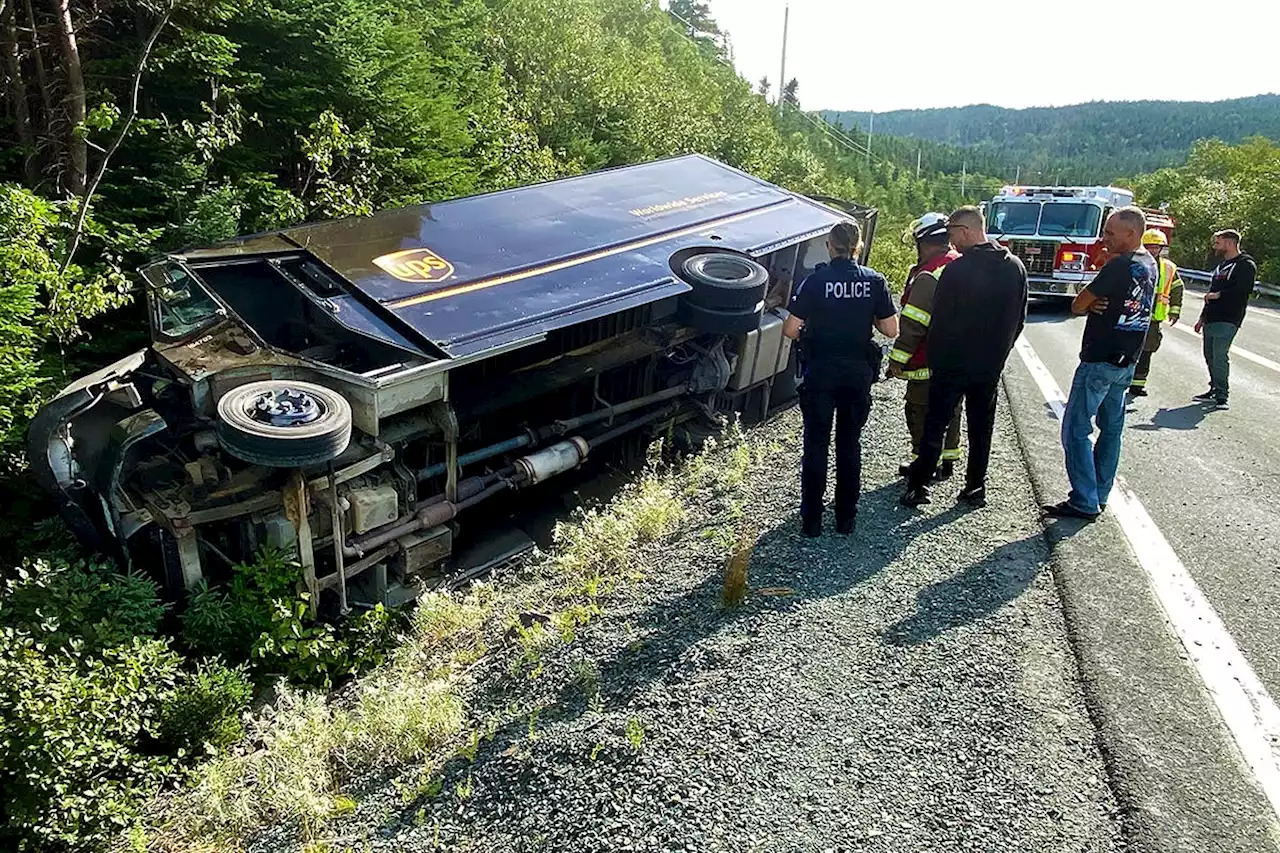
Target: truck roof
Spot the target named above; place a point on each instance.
(484, 271)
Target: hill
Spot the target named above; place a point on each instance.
(1097, 141)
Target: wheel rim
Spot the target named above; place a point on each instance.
(728, 268)
(285, 407)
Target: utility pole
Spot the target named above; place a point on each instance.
(782, 75)
(964, 177)
(871, 123)
(1017, 176)
(917, 164)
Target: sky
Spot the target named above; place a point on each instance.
(884, 55)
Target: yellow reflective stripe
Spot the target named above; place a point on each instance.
(951, 455)
(1138, 383)
(900, 356)
(920, 316)
(916, 375)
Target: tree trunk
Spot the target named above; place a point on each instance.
(77, 148)
(17, 92)
(42, 80)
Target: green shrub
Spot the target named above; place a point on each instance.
(71, 724)
(86, 603)
(205, 712)
(370, 636)
(228, 620)
(259, 617)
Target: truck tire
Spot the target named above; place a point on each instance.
(715, 321)
(724, 281)
(284, 424)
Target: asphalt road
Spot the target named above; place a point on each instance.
(1210, 480)
(1210, 483)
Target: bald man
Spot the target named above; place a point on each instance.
(979, 308)
(1119, 304)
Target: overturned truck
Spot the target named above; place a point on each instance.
(356, 390)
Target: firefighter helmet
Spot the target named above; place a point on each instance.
(1154, 238)
(931, 225)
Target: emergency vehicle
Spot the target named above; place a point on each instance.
(1057, 232)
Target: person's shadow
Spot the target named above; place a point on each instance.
(669, 632)
(972, 594)
(1182, 418)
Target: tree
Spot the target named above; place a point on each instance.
(763, 87)
(791, 93)
(702, 28)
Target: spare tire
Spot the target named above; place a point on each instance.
(284, 424)
(715, 321)
(724, 281)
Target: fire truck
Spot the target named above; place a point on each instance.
(1057, 232)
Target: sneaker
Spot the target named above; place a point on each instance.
(844, 527)
(811, 527)
(1066, 510)
(1221, 406)
(975, 496)
(945, 471)
(1207, 397)
(1137, 392)
(915, 497)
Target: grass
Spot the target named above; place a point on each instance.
(412, 713)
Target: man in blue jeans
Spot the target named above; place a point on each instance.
(1118, 302)
(1224, 309)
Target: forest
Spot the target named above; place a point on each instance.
(1082, 143)
(132, 127)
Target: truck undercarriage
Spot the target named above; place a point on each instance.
(344, 392)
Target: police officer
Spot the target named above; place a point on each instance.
(832, 314)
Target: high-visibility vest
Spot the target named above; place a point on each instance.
(1164, 287)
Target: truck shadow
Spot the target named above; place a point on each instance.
(1182, 418)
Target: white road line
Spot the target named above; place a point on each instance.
(1243, 353)
(1247, 709)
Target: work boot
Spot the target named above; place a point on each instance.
(844, 526)
(904, 470)
(811, 527)
(945, 471)
(975, 496)
(1137, 391)
(915, 497)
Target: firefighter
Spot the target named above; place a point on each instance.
(907, 359)
(1168, 307)
(832, 314)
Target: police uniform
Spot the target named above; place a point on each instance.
(839, 303)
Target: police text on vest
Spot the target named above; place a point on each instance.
(849, 289)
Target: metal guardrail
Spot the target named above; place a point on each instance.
(1202, 276)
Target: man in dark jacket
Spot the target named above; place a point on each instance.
(979, 309)
(1224, 308)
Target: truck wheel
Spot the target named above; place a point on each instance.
(714, 321)
(284, 424)
(724, 281)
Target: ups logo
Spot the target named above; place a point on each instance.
(417, 265)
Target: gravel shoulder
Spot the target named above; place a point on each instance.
(911, 688)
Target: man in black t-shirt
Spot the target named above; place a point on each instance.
(1224, 309)
(1119, 302)
(832, 314)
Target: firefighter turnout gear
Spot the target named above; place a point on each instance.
(1168, 307)
(910, 351)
